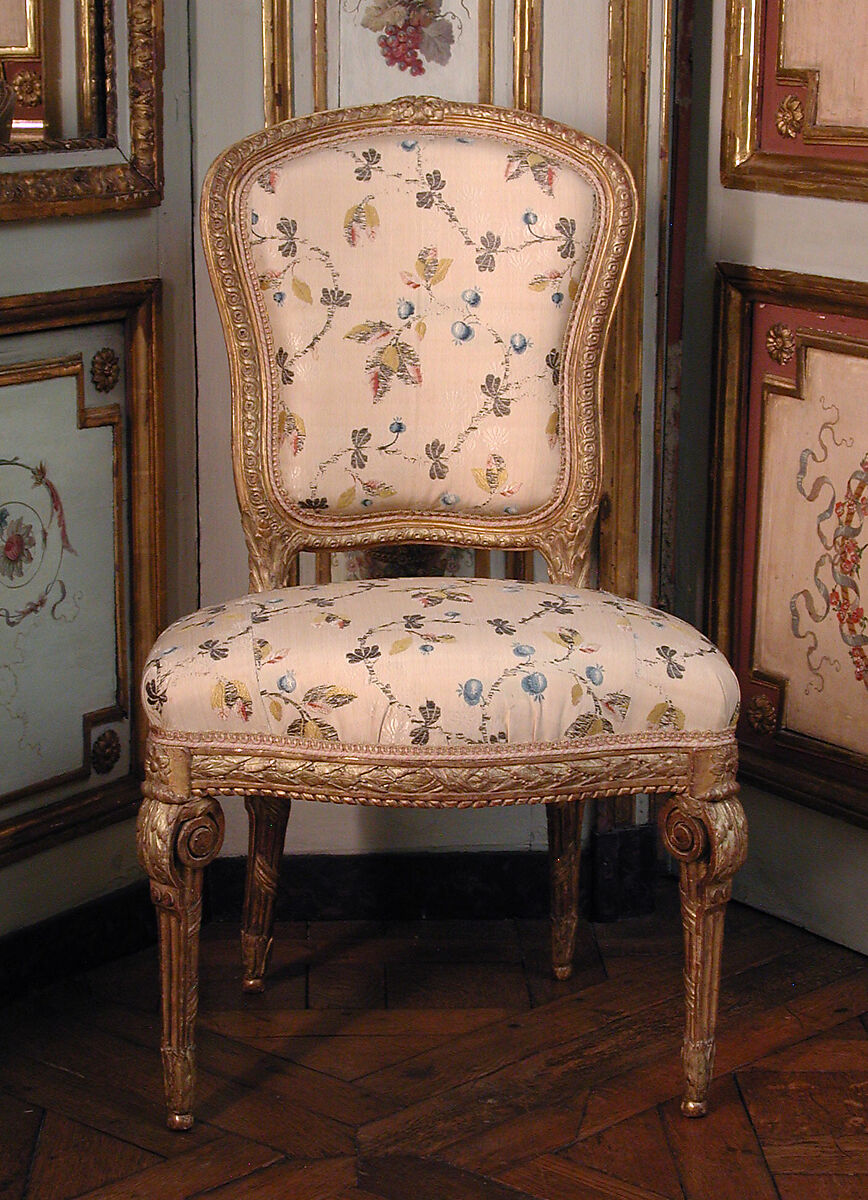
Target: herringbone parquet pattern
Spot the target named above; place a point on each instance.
(438, 1061)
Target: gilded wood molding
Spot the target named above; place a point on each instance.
(109, 415)
(228, 764)
(629, 42)
(822, 314)
(527, 55)
(137, 305)
(771, 136)
(137, 182)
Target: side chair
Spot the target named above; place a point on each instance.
(415, 299)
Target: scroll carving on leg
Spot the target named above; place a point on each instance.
(177, 837)
(268, 818)
(709, 838)
(564, 822)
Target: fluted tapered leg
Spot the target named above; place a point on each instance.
(177, 837)
(564, 821)
(709, 837)
(268, 818)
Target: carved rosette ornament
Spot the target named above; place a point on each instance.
(27, 87)
(105, 369)
(790, 117)
(105, 751)
(762, 716)
(780, 343)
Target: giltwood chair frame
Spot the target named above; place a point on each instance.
(180, 826)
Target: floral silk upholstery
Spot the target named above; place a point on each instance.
(453, 662)
(413, 296)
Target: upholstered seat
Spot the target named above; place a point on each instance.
(415, 300)
(437, 662)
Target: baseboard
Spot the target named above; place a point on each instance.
(468, 885)
(475, 885)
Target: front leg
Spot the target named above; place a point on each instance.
(709, 838)
(177, 836)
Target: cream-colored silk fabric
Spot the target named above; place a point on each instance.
(436, 662)
(415, 295)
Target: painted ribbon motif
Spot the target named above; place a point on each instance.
(842, 560)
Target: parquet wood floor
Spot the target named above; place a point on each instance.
(439, 1061)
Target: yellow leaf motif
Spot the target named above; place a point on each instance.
(492, 478)
(573, 289)
(312, 730)
(420, 329)
(666, 715)
(577, 692)
(217, 697)
(539, 283)
(301, 290)
(346, 498)
(276, 709)
(391, 358)
(442, 270)
(372, 216)
(401, 645)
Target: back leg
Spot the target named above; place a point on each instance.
(268, 818)
(564, 820)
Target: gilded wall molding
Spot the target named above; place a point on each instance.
(84, 188)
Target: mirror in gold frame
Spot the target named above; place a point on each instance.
(85, 134)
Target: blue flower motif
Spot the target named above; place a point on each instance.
(406, 309)
(286, 683)
(452, 615)
(397, 426)
(510, 510)
(367, 502)
(408, 144)
(529, 217)
(522, 651)
(595, 675)
(472, 691)
(518, 342)
(254, 218)
(471, 296)
(461, 331)
(558, 298)
(279, 297)
(449, 498)
(535, 685)
(426, 648)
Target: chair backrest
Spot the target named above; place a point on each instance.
(415, 299)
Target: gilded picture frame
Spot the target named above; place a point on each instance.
(89, 184)
(89, 801)
(788, 455)
(775, 136)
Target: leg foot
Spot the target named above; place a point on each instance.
(177, 836)
(710, 840)
(267, 818)
(564, 821)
